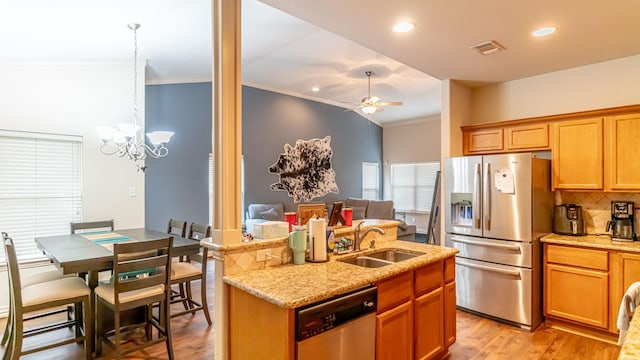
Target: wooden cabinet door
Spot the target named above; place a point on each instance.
(622, 144)
(577, 155)
(626, 272)
(483, 141)
(394, 333)
(577, 294)
(528, 137)
(450, 313)
(429, 324)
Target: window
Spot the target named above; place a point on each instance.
(40, 188)
(412, 186)
(370, 181)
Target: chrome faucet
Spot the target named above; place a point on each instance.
(357, 238)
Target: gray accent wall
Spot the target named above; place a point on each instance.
(177, 186)
(271, 120)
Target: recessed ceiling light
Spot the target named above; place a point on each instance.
(544, 31)
(404, 26)
(315, 89)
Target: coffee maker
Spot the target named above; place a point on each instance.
(621, 223)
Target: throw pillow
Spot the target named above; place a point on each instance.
(402, 226)
(271, 215)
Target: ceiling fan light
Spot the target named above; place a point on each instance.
(374, 99)
(369, 109)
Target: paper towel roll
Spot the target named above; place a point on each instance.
(318, 233)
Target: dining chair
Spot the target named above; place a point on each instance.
(177, 227)
(42, 296)
(91, 225)
(140, 279)
(192, 269)
(32, 279)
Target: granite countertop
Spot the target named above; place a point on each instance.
(592, 241)
(631, 346)
(292, 286)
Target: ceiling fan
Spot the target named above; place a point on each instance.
(372, 104)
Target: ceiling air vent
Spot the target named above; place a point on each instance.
(488, 47)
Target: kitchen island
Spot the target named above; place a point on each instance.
(416, 299)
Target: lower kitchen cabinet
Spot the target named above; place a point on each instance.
(450, 313)
(429, 324)
(417, 313)
(583, 287)
(580, 295)
(394, 333)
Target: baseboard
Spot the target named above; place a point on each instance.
(595, 334)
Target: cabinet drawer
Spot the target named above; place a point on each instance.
(394, 291)
(429, 278)
(567, 255)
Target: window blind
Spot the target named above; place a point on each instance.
(370, 182)
(40, 188)
(412, 186)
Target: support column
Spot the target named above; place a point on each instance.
(227, 149)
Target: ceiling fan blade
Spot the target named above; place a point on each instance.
(389, 103)
(356, 107)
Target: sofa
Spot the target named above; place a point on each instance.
(362, 209)
(383, 210)
(257, 213)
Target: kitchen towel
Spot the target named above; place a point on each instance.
(633, 292)
(318, 239)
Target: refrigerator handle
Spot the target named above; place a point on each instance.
(476, 196)
(486, 196)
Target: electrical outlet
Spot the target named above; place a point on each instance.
(132, 191)
(261, 255)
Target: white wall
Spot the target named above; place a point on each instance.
(416, 141)
(603, 85)
(72, 99)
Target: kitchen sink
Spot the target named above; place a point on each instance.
(393, 255)
(381, 258)
(366, 262)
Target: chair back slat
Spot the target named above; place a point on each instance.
(13, 270)
(137, 283)
(199, 231)
(102, 224)
(145, 263)
(177, 227)
(134, 261)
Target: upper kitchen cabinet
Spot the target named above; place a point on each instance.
(622, 148)
(482, 141)
(509, 138)
(577, 155)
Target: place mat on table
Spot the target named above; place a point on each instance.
(106, 238)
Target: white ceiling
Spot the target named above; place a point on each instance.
(286, 54)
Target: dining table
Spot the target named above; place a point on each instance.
(92, 252)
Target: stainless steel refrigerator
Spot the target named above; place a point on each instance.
(496, 209)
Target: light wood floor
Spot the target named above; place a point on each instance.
(477, 338)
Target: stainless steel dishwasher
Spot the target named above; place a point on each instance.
(343, 327)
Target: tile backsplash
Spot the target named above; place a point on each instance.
(596, 207)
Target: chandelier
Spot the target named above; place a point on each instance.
(127, 139)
